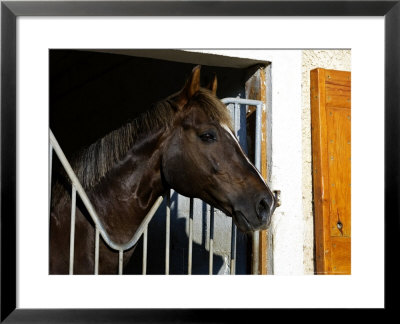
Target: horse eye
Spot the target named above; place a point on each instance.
(208, 137)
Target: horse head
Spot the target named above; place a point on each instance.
(202, 158)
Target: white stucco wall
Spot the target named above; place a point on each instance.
(287, 225)
(311, 59)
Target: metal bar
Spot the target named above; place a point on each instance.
(190, 237)
(233, 248)
(50, 173)
(144, 263)
(211, 255)
(90, 208)
(120, 261)
(96, 251)
(236, 118)
(257, 159)
(241, 101)
(167, 231)
(256, 254)
(233, 226)
(72, 231)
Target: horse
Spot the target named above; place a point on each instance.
(184, 143)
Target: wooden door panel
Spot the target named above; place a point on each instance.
(338, 77)
(341, 255)
(331, 147)
(338, 96)
(339, 155)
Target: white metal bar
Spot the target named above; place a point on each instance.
(190, 237)
(236, 118)
(90, 208)
(50, 173)
(256, 254)
(167, 231)
(72, 231)
(257, 159)
(96, 251)
(233, 248)
(233, 226)
(144, 262)
(211, 255)
(241, 101)
(120, 261)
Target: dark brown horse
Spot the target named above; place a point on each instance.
(185, 143)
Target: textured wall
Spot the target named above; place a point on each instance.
(311, 59)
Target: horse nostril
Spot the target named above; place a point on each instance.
(263, 210)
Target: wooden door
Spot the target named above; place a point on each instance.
(331, 150)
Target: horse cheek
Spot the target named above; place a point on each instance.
(171, 164)
(179, 175)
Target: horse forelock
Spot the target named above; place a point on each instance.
(213, 107)
(94, 162)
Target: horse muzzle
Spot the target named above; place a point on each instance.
(256, 218)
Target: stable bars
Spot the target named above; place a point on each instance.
(257, 159)
(77, 187)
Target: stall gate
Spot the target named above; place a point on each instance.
(234, 105)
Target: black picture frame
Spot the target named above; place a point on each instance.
(10, 10)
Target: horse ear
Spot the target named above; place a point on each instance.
(191, 87)
(212, 85)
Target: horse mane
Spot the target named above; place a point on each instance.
(94, 162)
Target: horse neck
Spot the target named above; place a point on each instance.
(129, 190)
